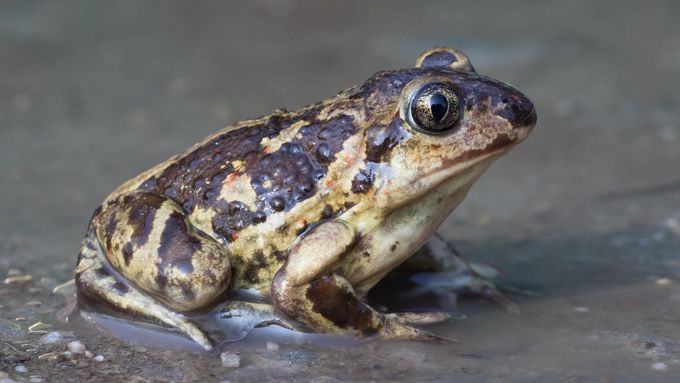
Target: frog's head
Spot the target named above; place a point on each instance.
(437, 125)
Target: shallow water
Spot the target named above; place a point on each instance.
(585, 215)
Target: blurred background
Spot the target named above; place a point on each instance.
(585, 213)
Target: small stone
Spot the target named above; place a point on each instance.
(271, 346)
(21, 368)
(76, 347)
(82, 364)
(674, 225)
(230, 360)
(659, 366)
(89, 354)
(581, 309)
(51, 357)
(18, 279)
(663, 281)
(68, 354)
(99, 358)
(51, 337)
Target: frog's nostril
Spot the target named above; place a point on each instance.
(524, 113)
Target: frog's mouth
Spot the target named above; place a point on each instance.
(470, 166)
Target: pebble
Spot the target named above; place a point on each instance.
(76, 347)
(89, 354)
(271, 346)
(581, 309)
(18, 279)
(99, 358)
(51, 337)
(659, 366)
(230, 360)
(68, 354)
(21, 368)
(663, 281)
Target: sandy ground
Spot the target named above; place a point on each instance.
(586, 213)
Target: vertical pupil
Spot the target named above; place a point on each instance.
(438, 106)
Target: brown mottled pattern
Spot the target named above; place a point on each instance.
(196, 178)
(339, 306)
(280, 179)
(109, 230)
(176, 249)
(142, 209)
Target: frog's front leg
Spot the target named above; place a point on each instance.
(446, 273)
(306, 289)
(141, 255)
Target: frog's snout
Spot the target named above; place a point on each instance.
(522, 110)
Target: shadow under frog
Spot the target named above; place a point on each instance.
(309, 209)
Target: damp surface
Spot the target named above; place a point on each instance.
(581, 221)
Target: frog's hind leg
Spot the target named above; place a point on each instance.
(141, 256)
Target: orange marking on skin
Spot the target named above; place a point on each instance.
(349, 159)
(231, 178)
(267, 149)
(329, 183)
(235, 235)
(301, 222)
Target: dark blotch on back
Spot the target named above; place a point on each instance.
(280, 179)
(177, 247)
(283, 178)
(196, 178)
(325, 139)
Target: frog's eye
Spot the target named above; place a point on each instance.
(435, 108)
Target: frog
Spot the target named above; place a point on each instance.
(308, 208)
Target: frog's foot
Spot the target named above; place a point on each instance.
(450, 276)
(456, 285)
(141, 256)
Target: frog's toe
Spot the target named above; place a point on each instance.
(396, 329)
(419, 318)
(489, 291)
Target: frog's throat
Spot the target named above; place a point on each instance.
(458, 176)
